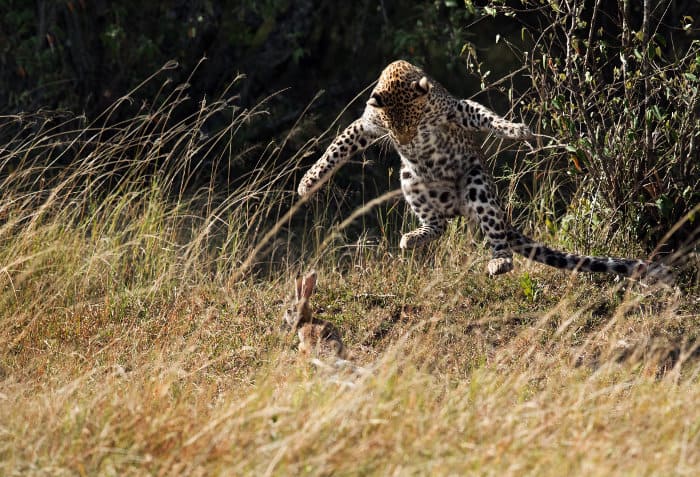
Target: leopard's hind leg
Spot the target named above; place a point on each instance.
(480, 202)
(432, 203)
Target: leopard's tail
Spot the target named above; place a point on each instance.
(625, 267)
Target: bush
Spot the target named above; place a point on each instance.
(619, 98)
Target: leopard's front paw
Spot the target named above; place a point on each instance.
(307, 183)
(497, 266)
(522, 131)
(303, 189)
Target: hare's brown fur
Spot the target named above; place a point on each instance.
(316, 336)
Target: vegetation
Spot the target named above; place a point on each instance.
(147, 249)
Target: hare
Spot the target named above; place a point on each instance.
(316, 336)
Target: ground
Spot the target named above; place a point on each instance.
(538, 372)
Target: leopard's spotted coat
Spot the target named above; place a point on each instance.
(442, 172)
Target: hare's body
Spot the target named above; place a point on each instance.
(321, 338)
(316, 336)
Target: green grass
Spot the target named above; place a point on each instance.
(140, 335)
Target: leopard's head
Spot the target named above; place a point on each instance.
(397, 102)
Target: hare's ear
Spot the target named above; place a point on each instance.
(308, 284)
(298, 286)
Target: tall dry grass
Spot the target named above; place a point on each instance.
(140, 328)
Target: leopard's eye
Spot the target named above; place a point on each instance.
(376, 101)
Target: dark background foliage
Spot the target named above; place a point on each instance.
(81, 56)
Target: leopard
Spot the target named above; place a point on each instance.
(442, 172)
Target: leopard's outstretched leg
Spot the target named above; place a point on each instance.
(354, 139)
(474, 116)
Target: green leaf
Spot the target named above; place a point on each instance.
(665, 206)
(527, 286)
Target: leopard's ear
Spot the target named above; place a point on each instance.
(423, 86)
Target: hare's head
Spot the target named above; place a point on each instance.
(300, 311)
